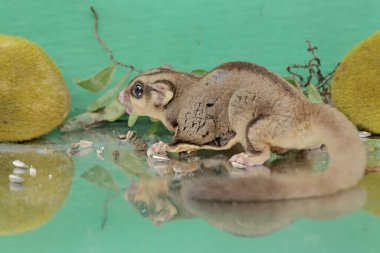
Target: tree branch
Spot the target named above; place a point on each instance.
(101, 41)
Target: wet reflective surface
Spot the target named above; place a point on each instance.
(106, 196)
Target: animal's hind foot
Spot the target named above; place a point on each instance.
(248, 160)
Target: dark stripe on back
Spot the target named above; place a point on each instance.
(256, 69)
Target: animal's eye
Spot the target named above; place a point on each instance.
(143, 208)
(137, 90)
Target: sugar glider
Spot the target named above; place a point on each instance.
(241, 102)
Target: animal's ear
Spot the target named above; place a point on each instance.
(166, 66)
(162, 93)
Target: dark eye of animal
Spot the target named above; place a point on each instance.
(142, 207)
(137, 90)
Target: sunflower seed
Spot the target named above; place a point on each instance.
(85, 144)
(74, 146)
(32, 171)
(160, 157)
(116, 154)
(238, 165)
(19, 164)
(15, 179)
(70, 152)
(122, 137)
(364, 134)
(99, 153)
(15, 186)
(19, 171)
(131, 135)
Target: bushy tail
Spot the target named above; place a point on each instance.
(347, 163)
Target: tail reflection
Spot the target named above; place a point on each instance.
(160, 199)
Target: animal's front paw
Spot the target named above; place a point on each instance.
(158, 148)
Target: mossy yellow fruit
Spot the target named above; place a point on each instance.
(355, 88)
(34, 98)
(42, 195)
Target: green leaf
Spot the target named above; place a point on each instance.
(153, 129)
(372, 143)
(110, 113)
(273, 157)
(154, 120)
(97, 82)
(313, 95)
(199, 72)
(107, 98)
(132, 119)
(133, 165)
(101, 177)
(292, 81)
(113, 111)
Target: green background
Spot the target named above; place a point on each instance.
(188, 34)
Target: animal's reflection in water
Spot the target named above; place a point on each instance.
(160, 199)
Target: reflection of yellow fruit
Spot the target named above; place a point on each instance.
(355, 88)
(371, 183)
(42, 195)
(33, 96)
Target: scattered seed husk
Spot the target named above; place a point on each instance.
(19, 171)
(85, 144)
(122, 137)
(80, 148)
(238, 165)
(364, 134)
(32, 171)
(131, 135)
(116, 154)
(16, 186)
(140, 145)
(75, 146)
(99, 152)
(160, 157)
(19, 164)
(15, 179)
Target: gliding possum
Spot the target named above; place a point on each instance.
(240, 102)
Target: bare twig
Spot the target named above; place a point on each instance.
(295, 75)
(105, 208)
(372, 170)
(314, 69)
(101, 41)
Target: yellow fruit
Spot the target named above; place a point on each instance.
(371, 183)
(33, 96)
(355, 88)
(42, 195)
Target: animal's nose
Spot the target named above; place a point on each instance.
(122, 98)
